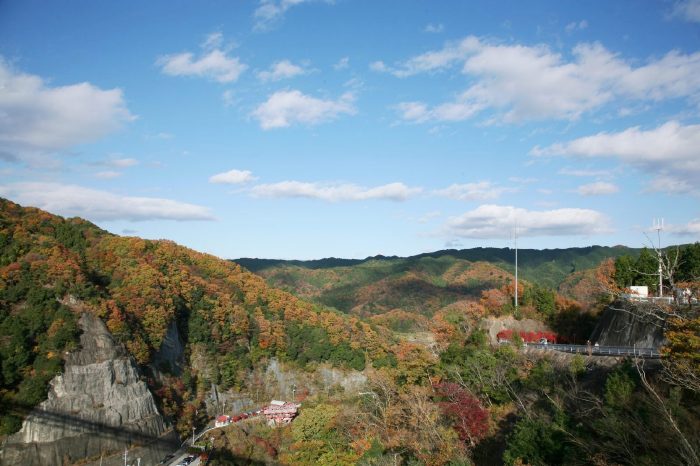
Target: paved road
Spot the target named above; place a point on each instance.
(647, 353)
(181, 453)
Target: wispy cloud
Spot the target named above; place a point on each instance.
(576, 26)
(92, 204)
(334, 192)
(599, 188)
(688, 10)
(434, 28)
(495, 221)
(418, 112)
(108, 174)
(285, 108)
(213, 62)
(233, 177)
(479, 191)
(36, 118)
(584, 172)
(283, 69)
(228, 97)
(270, 13)
(342, 64)
(122, 162)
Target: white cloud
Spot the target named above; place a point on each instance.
(213, 41)
(342, 64)
(36, 118)
(576, 26)
(418, 112)
(269, 13)
(434, 28)
(283, 69)
(669, 151)
(482, 190)
(233, 177)
(334, 192)
(673, 184)
(691, 228)
(534, 82)
(522, 180)
(437, 60)
(285, 108)
(378, 66)
(214, 63)
(229, 98)
(97, 205)
(688, 10)
(584, 172)
(108, 175)
(598, 188)
(121, 162)
(494, 221)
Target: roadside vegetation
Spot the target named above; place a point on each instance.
(454, 398)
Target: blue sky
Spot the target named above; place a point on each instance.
(348, 128)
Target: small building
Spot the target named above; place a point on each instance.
(280, 413)
(222, 421)
(639, 292)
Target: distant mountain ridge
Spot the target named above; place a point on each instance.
(547, 266)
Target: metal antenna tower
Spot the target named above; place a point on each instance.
(515, 240)
(658, 225)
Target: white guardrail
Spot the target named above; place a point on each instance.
(600, 350)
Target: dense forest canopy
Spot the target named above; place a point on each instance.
(449, 398)
(138, 287)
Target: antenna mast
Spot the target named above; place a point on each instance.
(516, 266)
(658, 226)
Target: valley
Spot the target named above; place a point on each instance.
(113, 343)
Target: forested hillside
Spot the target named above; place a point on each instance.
(548, 267)
(52, 269)
(426, 283)
(450, 399)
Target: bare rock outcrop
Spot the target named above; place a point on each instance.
(99, 404)
(626, 323)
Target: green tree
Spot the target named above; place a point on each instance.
(624, 272)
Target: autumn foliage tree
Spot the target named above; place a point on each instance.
(468, 417)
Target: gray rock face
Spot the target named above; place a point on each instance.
(98, 404)
(625, 323)
(171, 352)
(281, 382)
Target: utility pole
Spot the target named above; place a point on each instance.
(516, 267)
(658, 226)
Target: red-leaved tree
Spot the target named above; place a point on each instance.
(469, 418)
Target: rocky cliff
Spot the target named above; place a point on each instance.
(99, 404)
(626, 323)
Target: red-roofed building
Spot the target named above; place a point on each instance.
(222, 421)
(279, 413)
